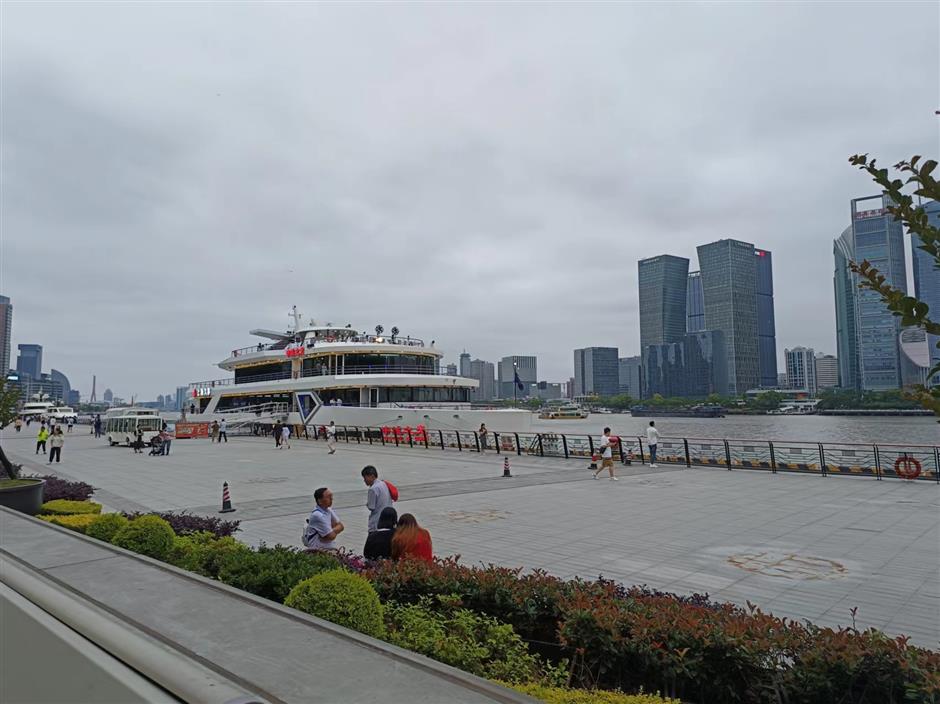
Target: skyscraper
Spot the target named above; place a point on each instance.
(29, 361)
(729, 287)
(108, 396)
(766, 325)
(58, 376)
(695, 303)
(869, 360)
(525, 366)
(927, 284)
(663, 288)
(696, 367)
(6, 334)
(485, 373)
(801, 368)
(827, 371)
(631, 376)
(596, 371)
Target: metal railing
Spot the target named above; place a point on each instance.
(371, 369)
(879, 461)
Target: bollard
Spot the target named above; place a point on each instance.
(226, 499)
(506, 472)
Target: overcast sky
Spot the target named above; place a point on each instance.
(486, 175)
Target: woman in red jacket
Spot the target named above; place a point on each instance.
(411, 540)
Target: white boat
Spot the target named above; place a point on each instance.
(47, 410)
(62, 414)
(312, 374)
(564, 411)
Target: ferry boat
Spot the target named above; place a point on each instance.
(314, 373)
(565, 411)
(47, 409)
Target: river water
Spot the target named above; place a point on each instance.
(922, 430)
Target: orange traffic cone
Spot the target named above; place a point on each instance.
(226, 499)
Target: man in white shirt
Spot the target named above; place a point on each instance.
(323, 525)
(223, 426)
(379, 495)
(607, 455)
(331, 437)
(652, 439)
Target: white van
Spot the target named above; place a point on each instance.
(121, 424)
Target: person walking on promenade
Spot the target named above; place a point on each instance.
(482, 433)
(380, 497)
(379, 543)
(139, 441)
(223, 426)
(652, 439)
(56, 441)
(411, 540)
(70, 422)
(323, 525)
(331, 437)
(41, 438)
(214, 430)
(607, 456)
(277, 434)
(18, 424)
(285, 436)
(167, 439)
(98, 426)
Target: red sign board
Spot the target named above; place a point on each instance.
(192, 430)
(294, 351)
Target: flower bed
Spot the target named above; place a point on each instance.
(536, 631)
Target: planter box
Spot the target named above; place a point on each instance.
(25, 499)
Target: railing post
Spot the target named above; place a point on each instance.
(688, 458)
(727, 454)
(369, 434)
(425, 438)
(459, 446)
(411, 440)
(936, 463)
(346, 434)
(396, 433)
(358, 435)
(476, 437)
(591, 446)
(822, 461)
(518, 444)
(383, 436)
(564, 444)
(877, 463)
(623, 458)
(441, 434)
(499, 450)
(639, 441)
(773, 458)
(541, 449)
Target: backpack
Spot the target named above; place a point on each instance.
(392, 490)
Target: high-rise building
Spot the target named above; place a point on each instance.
(58, 376)
(29, 361)
(546, 390)
(569, 388)
(181, 397)
(464, 364)
(451, 369)
(6, 334)
(74, 398)
(766, 324)
(729, 287)
(867, 332)
(696, 367)
(663, 288)
(631, 376)
(927, 284)
(801, 369)
(827, 371)
(596, 371)
(485, 373)
(108, 396)
(915, 357)
(29, 387)
(526, 366)
(695, 303)
(160, 401)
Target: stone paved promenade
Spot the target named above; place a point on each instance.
(796, 545)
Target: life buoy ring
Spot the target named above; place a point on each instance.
(907, 467)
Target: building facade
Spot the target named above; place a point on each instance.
(766, 323)
(58, 376)
(6, 333)
(631, 376)
(29, 361)
(30, 387)
(663, 288)
(695, 303)
(844, 286)
(729, 289)
(526, 366)
(827, 371)
(596, 371)
(801, 369)
(546, 391)
(485, 373)
(464, 364)
(696, 367)
(927, 284)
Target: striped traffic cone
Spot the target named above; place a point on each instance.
(506, 468)
(226, 499)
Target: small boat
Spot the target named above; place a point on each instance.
(565, 411)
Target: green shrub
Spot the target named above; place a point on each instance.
(106, 526)
(147, 535)
(563, 695)
(205, 554)
(478, 644)
(79, 522)
(272, 572)
(64, 507)
(340, 597)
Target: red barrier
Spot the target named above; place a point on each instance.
(192, 430)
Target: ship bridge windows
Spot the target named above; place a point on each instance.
(262, 372)
(424, 394)
(388, 364)
(229, 403)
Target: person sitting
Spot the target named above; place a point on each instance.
(411, 540)
(379, 543)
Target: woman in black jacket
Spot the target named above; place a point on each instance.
(379, 543)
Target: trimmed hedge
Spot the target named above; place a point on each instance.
(187, 523)
(80, 522)
(58, 488)
(564, 695)
(106, 526)
(205, 554)
(272, 572)
(343, 598)
(66, 507)
(148, 535)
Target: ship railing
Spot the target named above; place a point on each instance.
(324, 370)
(826, 459)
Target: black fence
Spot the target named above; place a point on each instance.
(920, 462)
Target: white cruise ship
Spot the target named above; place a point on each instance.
(313, 374)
